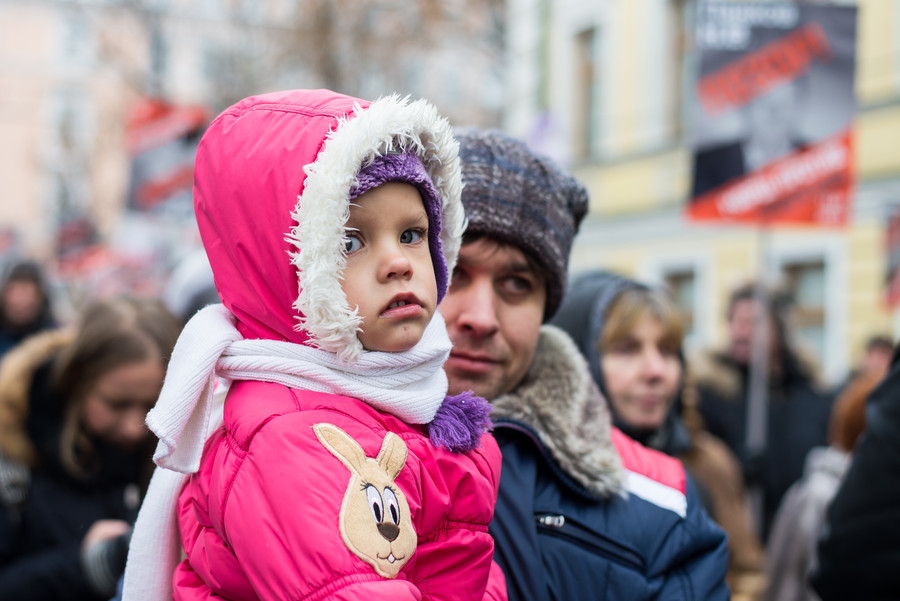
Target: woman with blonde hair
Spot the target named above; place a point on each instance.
(632, 337)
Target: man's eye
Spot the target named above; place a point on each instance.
(410, 236)
(352, 244)
(517, 285)
(458, 277)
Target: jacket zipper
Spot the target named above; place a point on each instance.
(570, 530)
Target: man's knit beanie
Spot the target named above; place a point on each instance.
(407, 167)
(521, 198)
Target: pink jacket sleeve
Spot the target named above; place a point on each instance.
(496, 588)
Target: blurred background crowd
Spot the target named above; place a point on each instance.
(103, 103)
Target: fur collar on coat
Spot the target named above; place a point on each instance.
(16, 374)
(560, 402)
(716, 373)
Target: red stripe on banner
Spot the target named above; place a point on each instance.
(784, 59)
(813, 185)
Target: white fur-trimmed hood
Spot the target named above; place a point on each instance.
(322, 209)
(272, 179)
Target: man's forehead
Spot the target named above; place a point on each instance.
(486, 248)
(503, 256)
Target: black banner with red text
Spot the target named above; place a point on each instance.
(771, 123)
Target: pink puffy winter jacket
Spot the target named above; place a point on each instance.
(274, 513)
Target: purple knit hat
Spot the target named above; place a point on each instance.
(407, 167)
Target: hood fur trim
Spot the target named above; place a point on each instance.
(559, 400)
(16, 375)
(323, 207)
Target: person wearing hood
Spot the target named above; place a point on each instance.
(632, 337)
(583, 511)
(25, 304)
(309, 409)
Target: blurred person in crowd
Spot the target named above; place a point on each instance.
(798, 409)
(190, 286)
(876, 360)
(877, 357)
(25, 304)
(632, 336)
(75, 454)
(583, 511)
(859, 547)
(337, 466)
(791, 551)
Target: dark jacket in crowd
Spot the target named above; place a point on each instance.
(45, 511)
(798, 414)
(859, 550)
(584, 512)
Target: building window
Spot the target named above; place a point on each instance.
(75, 41)
(682, 286)
(806, 283)
(584, 123)
(159, 59)
(675, 58)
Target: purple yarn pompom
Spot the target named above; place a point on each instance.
(460, 422)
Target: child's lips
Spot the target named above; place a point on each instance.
(402, 307)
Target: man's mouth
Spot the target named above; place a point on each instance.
(471, 362)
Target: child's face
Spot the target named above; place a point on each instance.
(389, 274)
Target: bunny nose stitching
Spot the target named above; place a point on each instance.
(389, 531)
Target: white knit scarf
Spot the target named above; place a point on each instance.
(410, 385)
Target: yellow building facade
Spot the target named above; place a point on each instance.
(629, 62)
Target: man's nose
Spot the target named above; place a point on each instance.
(478, 309)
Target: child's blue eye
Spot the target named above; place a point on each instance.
(352, 244)
(410, 237)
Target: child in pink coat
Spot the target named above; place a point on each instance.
(337, 467)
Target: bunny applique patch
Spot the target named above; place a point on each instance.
(375, 519)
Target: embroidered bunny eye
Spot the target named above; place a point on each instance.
(393, 505)
(376, 505)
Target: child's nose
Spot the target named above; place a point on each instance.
(396, 264)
